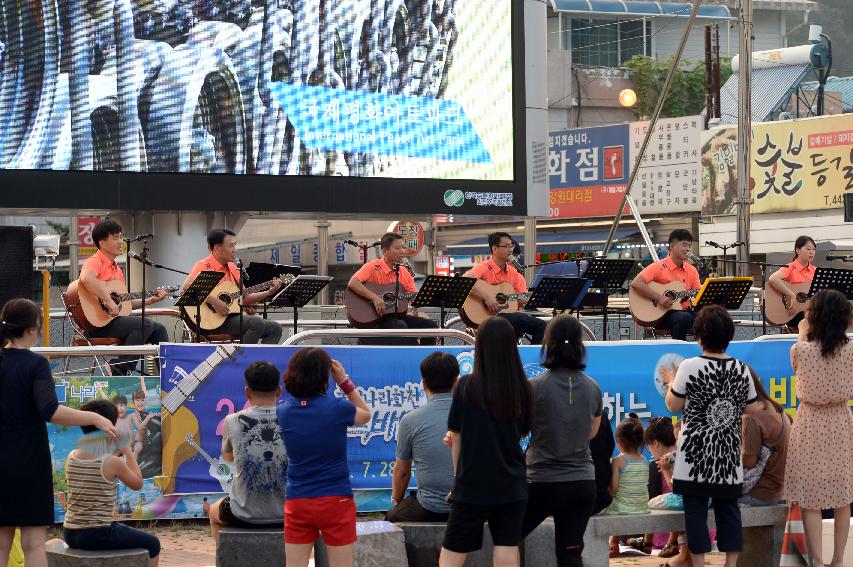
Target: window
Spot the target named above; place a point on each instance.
(606, 43)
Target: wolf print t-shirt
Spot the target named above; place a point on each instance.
(260, 464)
(715, 391)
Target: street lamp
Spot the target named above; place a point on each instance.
(628, 98)
(821, 60)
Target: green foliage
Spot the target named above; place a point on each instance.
(686, 94)
(59, 228)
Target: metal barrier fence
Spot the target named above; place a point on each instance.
(379, 333)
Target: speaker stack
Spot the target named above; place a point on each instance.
(16, 262)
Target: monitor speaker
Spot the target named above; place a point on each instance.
(16, 263)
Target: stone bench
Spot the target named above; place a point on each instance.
(380, 544)
(237, 546)
(60, 555)
(762, 534)
(423, 545)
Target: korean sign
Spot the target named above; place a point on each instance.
(413, 236)
(796, 166)
(669, 176)
(85, 226)
(588, 170)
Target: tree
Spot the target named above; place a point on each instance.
(686, 95)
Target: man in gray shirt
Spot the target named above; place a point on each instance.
(420, 439)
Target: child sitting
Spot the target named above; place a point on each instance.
(91, 481)
(630, 474)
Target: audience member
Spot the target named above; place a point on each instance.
(252, 441)
(601, 447)
(489, 415)
(712, 390)
(567, 410)
(660, 438)
(420, 439)
(765, 429)
(91, 477)
(27, 400)
(629, 476)
(819, 469)
(314, 426)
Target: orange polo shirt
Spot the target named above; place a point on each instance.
(795, 273)
(380, 273)
(211, 264)
(492, 274)
(105, 269)
(665, 271)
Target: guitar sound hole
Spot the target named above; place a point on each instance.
(501, 299)
(388, 298)
(670, 295)
(115, 298)
(802, 298)
(225, 298)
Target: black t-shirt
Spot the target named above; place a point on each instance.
(491, 464)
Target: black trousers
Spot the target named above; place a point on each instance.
(526, 324)
(132, 332)
(729, 527)
(570, 503)
(255, 329)
(410, 510)
(679, 323)
(402, 322)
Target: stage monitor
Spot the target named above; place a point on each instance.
(333, 106)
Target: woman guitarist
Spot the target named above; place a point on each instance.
(799, 270)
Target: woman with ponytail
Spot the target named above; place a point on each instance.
(567, 414)
(799, 270)
(27, 401)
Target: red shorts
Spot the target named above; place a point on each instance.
(333, 516)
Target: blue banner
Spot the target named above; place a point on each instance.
(631, 376)
(381, 124)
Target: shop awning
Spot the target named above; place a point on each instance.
(771, 89)
(548, 243)
(637, 8)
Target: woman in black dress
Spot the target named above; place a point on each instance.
(27, 401)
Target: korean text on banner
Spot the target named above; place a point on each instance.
(588, 171)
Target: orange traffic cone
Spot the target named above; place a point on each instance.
(795, 551)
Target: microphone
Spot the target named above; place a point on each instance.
(737, 244)
(830, 257)
(138, 238)
(139, 258)
(516, 264)
(695, 259)
(712, 243)
(405, 263)
(375, 244)
(352, 243)
(243, 273)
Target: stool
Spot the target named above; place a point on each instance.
(60, 555)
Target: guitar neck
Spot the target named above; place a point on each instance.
(201, 451)
(184, 389)
(136, 295)
(686, 294)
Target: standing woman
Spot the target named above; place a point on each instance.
(819, 469)
(27, 401)
(799, 270)
(567, 414)
(489, 415)
(314, 426)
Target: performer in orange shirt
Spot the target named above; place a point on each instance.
(498, 270)
(673, 267)
(799, 270)
(101, 267)
(222, 244)
(383, 271)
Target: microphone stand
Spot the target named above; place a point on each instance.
(397, 290)
(762, 302)
(144, 258)
(243, 275)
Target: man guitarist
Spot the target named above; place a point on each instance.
(672, 267)
(384, 271)
(498, 270)
(222, 244)
(101, 267)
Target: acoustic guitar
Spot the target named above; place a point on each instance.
(776, 304)
(228, 293)
(361, 312)
(474, 310)
(178, 422)
(647, 312)
(89, 311)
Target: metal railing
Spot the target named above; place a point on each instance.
(379, 333)
(83, 351)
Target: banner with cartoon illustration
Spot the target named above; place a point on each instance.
(631, 375)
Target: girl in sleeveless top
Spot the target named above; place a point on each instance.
(629, 483)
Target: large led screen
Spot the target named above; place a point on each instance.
(305, 105)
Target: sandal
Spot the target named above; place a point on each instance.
(669, 550)
(639, 543)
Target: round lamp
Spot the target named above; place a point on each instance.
(628, 98)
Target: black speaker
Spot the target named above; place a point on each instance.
(16, 262)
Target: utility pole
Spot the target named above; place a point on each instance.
(744, 136)
(709, 77)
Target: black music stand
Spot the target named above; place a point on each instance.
(299, 293)
(197, 293)
(444, 292)
(833, 278)
(559, 293)
(727, 292)
(264, 272)
(608, 275)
